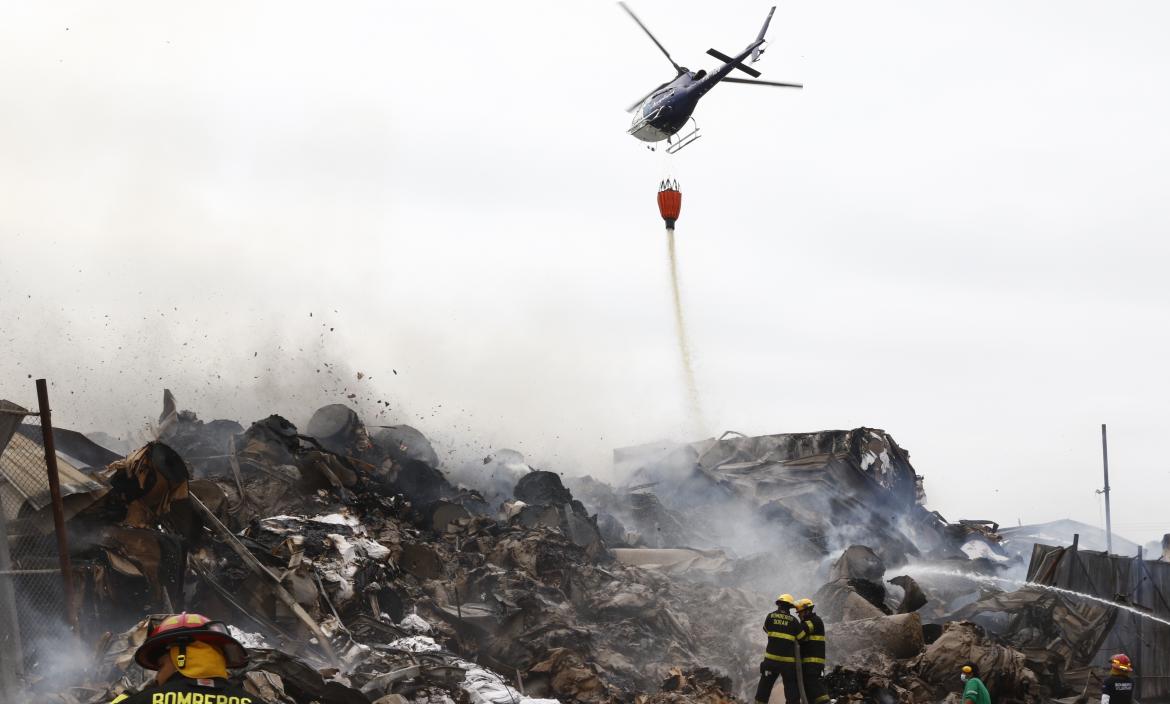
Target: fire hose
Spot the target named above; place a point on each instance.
(799, 674)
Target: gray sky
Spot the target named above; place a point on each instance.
(956, 232)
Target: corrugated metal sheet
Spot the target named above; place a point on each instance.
(11, 416)
(1145, 584)
(24, 482)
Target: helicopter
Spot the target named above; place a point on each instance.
(662, 113)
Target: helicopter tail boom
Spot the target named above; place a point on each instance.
(759, 48)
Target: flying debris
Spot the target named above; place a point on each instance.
(662, 113)
(669, 202)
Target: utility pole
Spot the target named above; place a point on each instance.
(1108, 518)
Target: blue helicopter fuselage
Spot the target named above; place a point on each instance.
(664, 112)
(667, 109)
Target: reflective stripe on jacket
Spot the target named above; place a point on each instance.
(783, 631)
(814, 650)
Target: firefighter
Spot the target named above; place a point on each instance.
(1118, 687)
(191, 654)
(812, 653)
(974, 690)
(784, 630)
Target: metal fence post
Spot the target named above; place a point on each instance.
(58, 505)
(1139, 568)
(12, 654)
(1072, 557)
(11, 647)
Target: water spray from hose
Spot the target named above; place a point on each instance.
(995, 581)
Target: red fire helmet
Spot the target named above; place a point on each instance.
(186, 628)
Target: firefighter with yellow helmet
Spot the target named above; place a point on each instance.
(191, 654)
(784, 631)
(974, 691)
(812, 653)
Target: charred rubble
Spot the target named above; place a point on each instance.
(357, 571)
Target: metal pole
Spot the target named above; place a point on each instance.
(1108, 518)
(11, 648)
(58, 506)
(12, 651)
(1073, 555)
(1138, 623)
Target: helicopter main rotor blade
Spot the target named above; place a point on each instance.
(728, 60)
(657, 43)
(762, 83)
(643, 98)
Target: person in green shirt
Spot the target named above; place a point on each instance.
(974, 691)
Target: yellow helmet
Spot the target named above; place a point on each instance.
(967, 669)
(785, 599)
(805, 603)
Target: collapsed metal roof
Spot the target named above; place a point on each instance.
(834, 487)
(1143, 584)
(25, 481)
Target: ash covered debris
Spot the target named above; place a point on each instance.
(831, 489)
(363, 573)
(368, 574)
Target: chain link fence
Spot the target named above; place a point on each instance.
(34, 613)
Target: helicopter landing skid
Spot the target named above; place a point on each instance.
(675, 142)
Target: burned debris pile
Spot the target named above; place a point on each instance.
(357, 571)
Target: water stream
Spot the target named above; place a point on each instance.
(990, 580)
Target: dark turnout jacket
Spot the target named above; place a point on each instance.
(812, 649)
(181, 690)
(783, 630)
(1119, 690)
